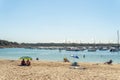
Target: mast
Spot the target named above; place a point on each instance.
(118, 38)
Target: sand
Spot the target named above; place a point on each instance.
(44, 70)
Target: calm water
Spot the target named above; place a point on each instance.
(56, 55)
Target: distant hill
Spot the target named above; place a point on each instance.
(4, 43)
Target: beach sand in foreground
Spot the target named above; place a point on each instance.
(43, 70)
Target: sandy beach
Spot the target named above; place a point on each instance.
(44, 70)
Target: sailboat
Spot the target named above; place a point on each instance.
(116, 49)
(92, 48)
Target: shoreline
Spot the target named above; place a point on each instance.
(59, 61)
(48, 70)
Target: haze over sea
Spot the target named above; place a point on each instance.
(56, 55)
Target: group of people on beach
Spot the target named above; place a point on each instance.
(25, 63)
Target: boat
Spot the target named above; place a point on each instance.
(92, 49)
(103, 49)
(116, 49)
(72, 49)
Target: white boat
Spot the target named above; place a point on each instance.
(92, 49)
(103, 48)
(116, 49)
(72, 49)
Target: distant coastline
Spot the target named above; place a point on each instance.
(9, 44)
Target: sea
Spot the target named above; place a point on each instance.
(58, 55)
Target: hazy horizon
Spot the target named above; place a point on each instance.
(80, 21)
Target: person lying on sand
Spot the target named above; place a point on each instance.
(109, 62)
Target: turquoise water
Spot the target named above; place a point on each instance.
(56, 55)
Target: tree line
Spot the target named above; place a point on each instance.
(4, 43)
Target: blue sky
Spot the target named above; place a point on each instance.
(59, 20)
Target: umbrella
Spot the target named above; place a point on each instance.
(26, 57)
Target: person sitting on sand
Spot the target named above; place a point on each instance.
(66, 60)
(23, 63)
(109, 62)
(37, 58)
(28, 63)
(74, 64)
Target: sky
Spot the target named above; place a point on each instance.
(80, 21)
